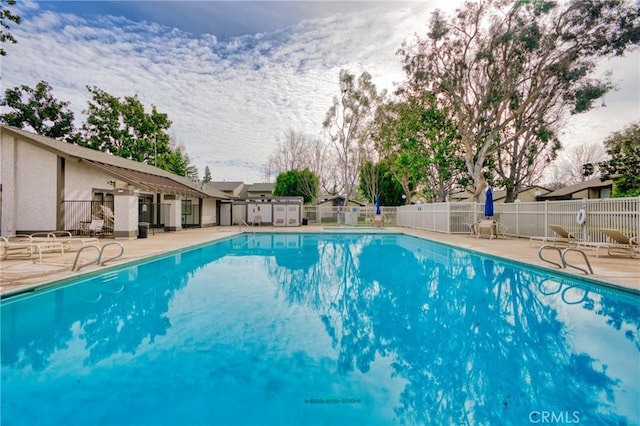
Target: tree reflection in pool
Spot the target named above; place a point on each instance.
(322, 329)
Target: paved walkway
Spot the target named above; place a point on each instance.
(18, 275)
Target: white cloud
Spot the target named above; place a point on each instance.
(229, 100)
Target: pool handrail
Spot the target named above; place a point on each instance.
(242, 222)
(98, 261)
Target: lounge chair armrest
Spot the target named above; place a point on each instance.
(40, 235)
(635, 240)
(60, 234)
(20, 237)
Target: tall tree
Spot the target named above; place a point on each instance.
(370, 180)
(207, 175)
(348, 123)
(6, 17)
(522, 162)
(624, 165)
(376, 180)
(37, 110)
(292, 153)
(177, 161)
(297, 183)
(421, 145)
(321, 164)
(505, 68)
(123, 128)
(297, 151)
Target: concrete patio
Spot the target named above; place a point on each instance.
(23, 274)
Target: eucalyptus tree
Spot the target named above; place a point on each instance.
(504, 69)
(6, 17)
(37, 110)
(521, 163)
(349, 124)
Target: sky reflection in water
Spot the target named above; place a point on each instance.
(321, 329)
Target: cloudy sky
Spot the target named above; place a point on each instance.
(234, 76)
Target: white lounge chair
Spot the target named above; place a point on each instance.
(620, 244)
(69, 242)
(563, 237)
(26, 246)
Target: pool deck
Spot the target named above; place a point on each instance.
(23, 274)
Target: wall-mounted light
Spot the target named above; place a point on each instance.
(111, 182)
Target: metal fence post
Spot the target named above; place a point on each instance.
(546, 218)
(517, 219)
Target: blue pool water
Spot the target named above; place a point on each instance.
(321, 329)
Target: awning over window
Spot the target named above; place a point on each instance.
(155, 183)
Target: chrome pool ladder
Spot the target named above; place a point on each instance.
(99, 260)
(563, 258)
(242, 222)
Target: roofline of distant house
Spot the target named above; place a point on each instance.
(581, 186)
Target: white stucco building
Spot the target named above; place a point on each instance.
(48, 185)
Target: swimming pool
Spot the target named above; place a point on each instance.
(290, 329)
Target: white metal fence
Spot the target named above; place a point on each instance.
(529, 219)
(349, 215)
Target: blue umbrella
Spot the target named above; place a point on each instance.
(377, 206)
(488, 203)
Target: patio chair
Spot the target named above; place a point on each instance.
(487, 228)
(620, 245)
(69, 242)
(564, 237)
(26, 246)
(95, 227)
(15, 245)
(108, 217)
(377, 221)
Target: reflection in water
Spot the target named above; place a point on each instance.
(475, 340)
(114, 314)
